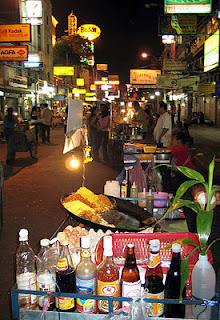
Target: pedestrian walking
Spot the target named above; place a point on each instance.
(46, 122)
(10, 122)
(163, 128)
(102, 133)
(36, 115)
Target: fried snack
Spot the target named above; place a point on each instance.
(85, 193)
(76, 196)
(77, 207)
(74, 235)
(105, 201)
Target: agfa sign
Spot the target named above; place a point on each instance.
(13, 53)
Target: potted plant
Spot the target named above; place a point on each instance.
(204, 211)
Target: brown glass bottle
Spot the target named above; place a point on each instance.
(130, 278)
(65, 279)
(108, 283)
(154, 288)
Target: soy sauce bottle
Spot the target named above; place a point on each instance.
(65, 279)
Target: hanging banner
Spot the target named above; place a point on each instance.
(144, 76)
(20, 32)
(178, 25)
(13, 53)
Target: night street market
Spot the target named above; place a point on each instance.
(109, 160)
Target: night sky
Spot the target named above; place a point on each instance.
(128, 28)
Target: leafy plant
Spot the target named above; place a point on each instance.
(204, 212)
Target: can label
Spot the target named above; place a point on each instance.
(85, 287)
(27, 281)
(130, 290)
(109, 289)
(155, 309)
(64, 303)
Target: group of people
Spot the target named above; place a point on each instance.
(98, 127)
(43, 117)
(164, 135)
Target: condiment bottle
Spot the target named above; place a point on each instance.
(126, 185)
(25, 271)
(108, 283)
(46, 276)
(172, 285)
(86, 278)
(130, 278)
(154, 288)
(134, 192)
(65, 279)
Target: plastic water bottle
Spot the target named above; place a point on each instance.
(46, 276)
(25, 271)
(203, 286)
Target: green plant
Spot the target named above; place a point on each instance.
(204, 213)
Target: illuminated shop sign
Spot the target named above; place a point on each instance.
(89, 31)
(20, 32)
(101, 67)
(63, 71)
(13, 53)
(211, 52)
(34, 61)
(187, 6)
(144, 76)
(32, 11)
(80, 82)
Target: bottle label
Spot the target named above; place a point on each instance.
(45, 282)
(155, 309)
(85, 253)
(85, 287)
(62, 264)
(109, 289)
(129, 290)
(154, 260)
(123, 191)
(63, 303)
(27, 281)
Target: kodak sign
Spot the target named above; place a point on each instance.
(13, 53)
(20, 32)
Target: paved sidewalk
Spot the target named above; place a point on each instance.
(206, 146)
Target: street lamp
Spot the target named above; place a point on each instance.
(144, 55)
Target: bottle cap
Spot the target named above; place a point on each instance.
(176, 247)
(45, 242)
(154, 245)
(23, 235)
(107, 243)
(85, 242)
(130, 245)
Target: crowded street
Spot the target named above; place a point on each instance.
(110, 160)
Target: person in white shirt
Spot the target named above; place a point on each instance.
(163, 128)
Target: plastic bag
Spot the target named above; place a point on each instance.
(138, 310)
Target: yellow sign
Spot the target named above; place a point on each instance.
(63, 71)
(80, 91)
(89, 31)
(90, 99)
(20, 32)
(144, 76)
(13, 53)
(207, 88)
(80, 82)
(101, 82)
(90, 94)
(92, 87)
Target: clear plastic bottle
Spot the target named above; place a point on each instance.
(46, 276)
(203, 286)
(25, 271)
(86, 278)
